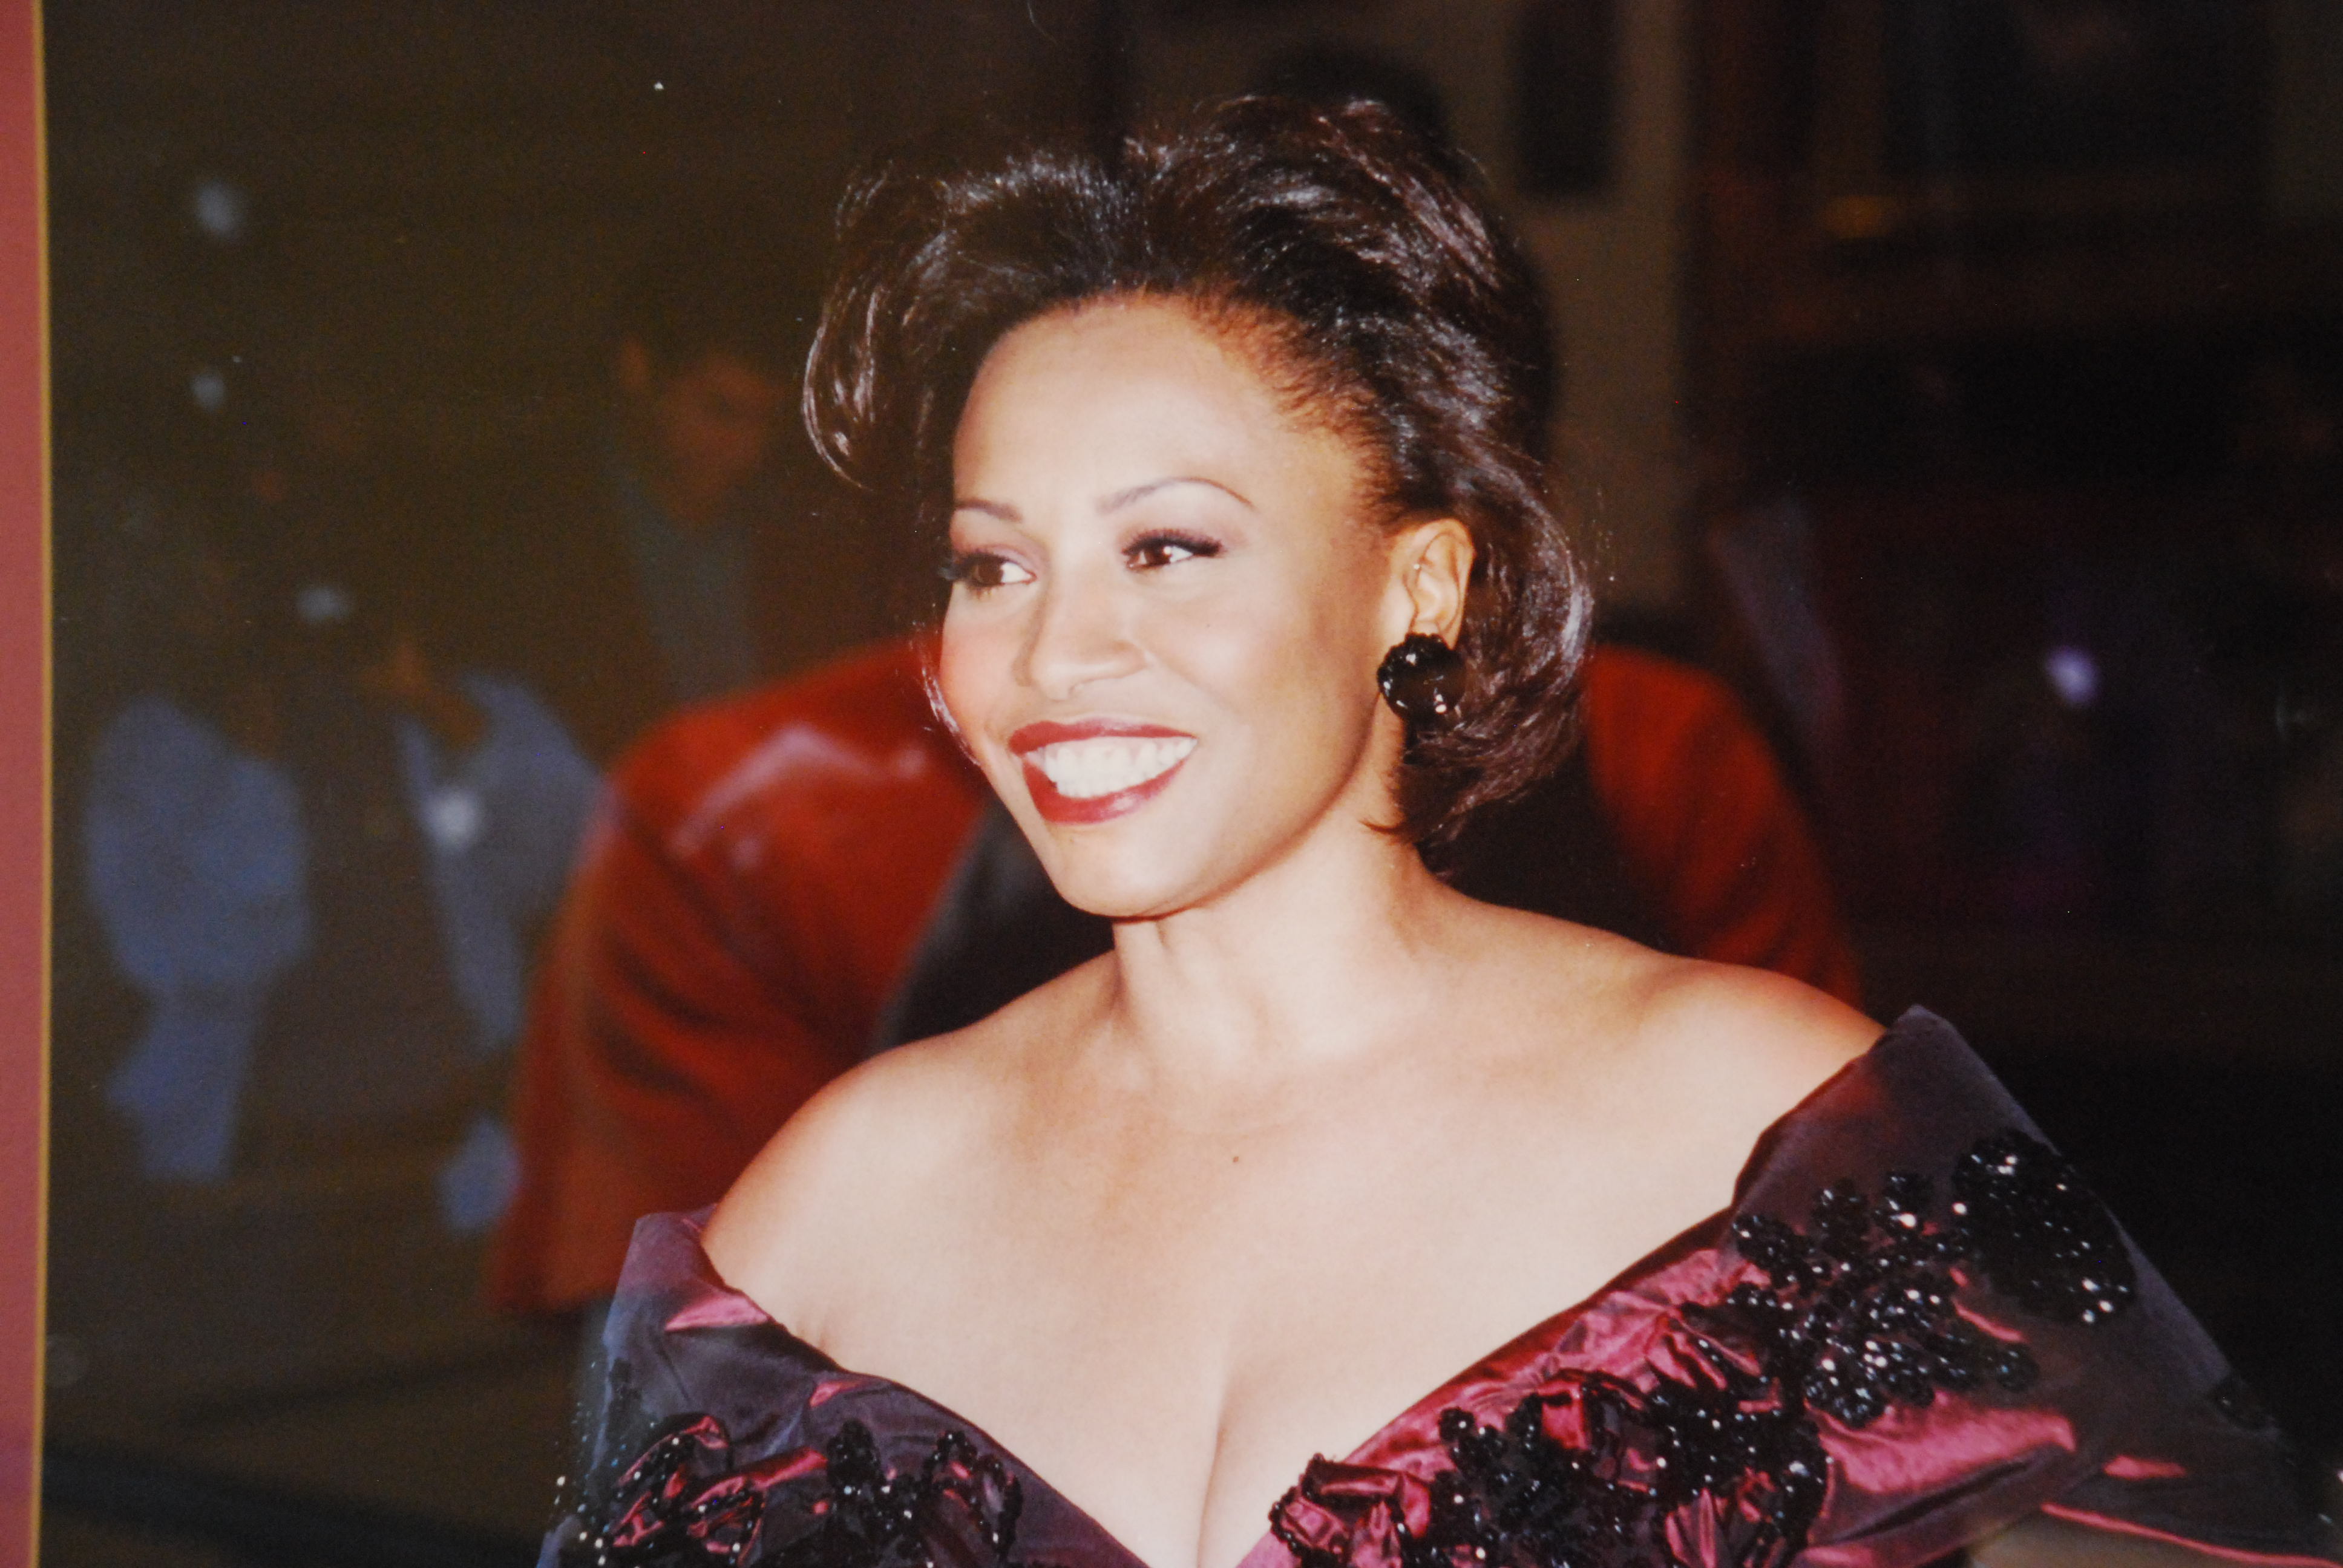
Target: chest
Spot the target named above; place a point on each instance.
(1171, 1333)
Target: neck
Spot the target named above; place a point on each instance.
(1345, 945)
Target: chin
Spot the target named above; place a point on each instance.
(1116, 881)
(1161, 861)
(1120, 853)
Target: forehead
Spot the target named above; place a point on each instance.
(1141, 340)
(1145, 373)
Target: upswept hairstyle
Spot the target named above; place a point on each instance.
(1363, 263)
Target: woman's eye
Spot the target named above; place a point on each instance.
(982, 569)
(1168, 549)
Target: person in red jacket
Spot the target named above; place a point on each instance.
(782, 881)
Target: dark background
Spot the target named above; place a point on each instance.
(2022, 323)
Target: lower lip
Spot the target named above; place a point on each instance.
(1057, 806)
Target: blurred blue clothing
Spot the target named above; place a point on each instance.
(200, 867)
(501, 821)
(476, 1183)
(197, 865)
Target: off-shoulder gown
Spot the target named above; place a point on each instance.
(1913, 1326)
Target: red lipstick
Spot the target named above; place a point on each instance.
(1058, 807)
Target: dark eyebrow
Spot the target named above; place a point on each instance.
(1122, 499)
(1001, 510)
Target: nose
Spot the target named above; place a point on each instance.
(1079, 634)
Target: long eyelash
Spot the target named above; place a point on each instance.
(961, 565)
(1194, 544)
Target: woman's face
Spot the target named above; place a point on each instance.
(1167, 608)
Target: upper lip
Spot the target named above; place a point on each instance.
(1033, 737)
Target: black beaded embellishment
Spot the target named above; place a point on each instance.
(684, 1505)
(2045, 1239)
(1857, 1315)
(1588, 1478)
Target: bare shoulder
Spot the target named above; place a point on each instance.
(831, 1182)
(1763, 1039)
(1758, 1034)
(1676, 1066)
(824, 1175)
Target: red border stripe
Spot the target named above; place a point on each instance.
(23, 777)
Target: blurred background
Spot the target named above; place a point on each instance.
(1961, 381)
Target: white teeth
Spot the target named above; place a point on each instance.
(1085, 769)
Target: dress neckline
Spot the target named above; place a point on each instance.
(713, 1303)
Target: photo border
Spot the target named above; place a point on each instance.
(24, 777)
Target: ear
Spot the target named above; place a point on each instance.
(1432, 565)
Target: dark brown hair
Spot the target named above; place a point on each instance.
(1380, 284)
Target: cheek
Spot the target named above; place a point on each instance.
(1295, 656)
(973, 669)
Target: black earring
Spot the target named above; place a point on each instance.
(1424, 681)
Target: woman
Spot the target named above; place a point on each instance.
(1254, 598)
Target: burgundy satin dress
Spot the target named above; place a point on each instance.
(1914, 1327)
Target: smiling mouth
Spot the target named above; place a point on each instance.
(1108, 765)
(1097, 769)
